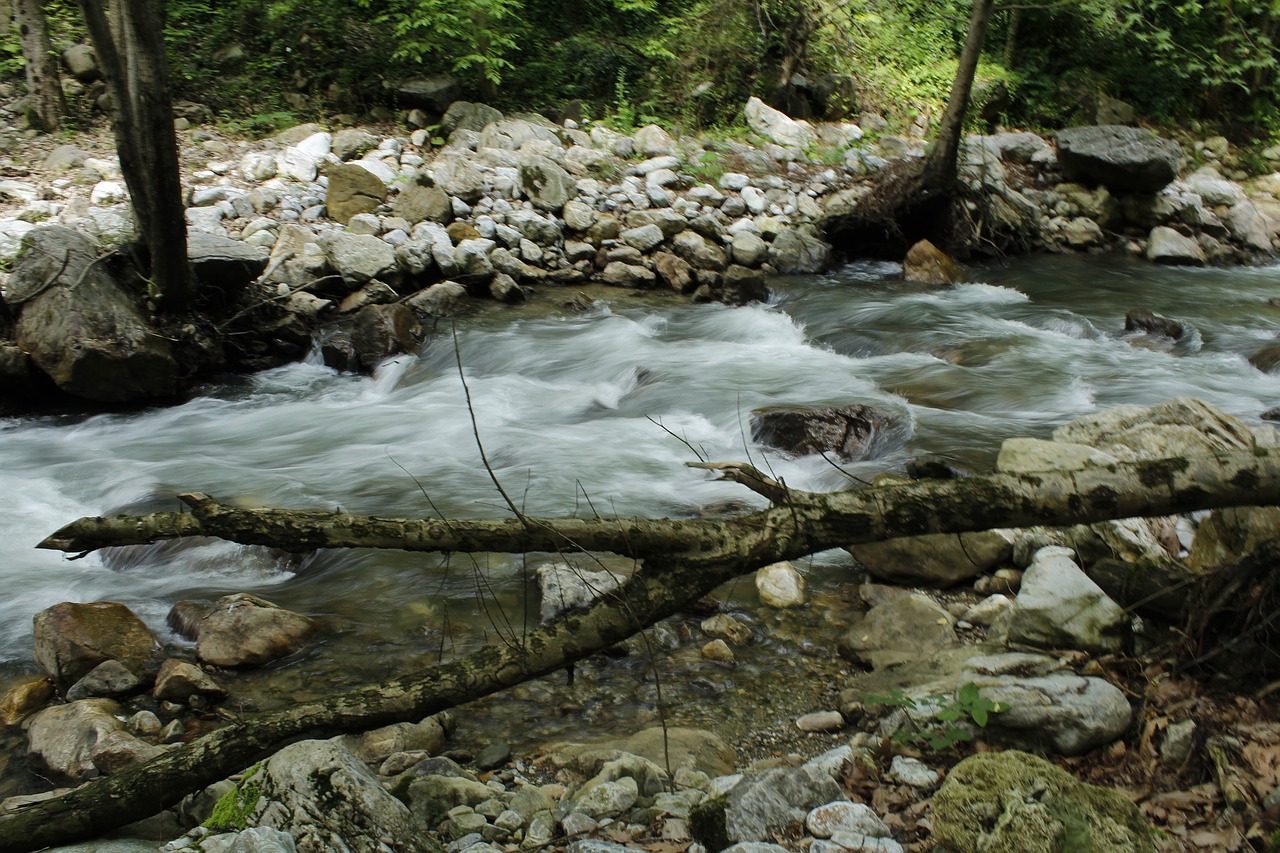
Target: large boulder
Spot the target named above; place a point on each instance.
(1167, 246)
(846, 432)
(927, 264)
(222, 263)
(326, 799)
(381, 331)
(1124, 159)
(778, 127)
(547, 185)
(352, 190)
(904, 628)
(72, 639)
(940, 559)
(1059, 606)
(82, 327)
(358, 258)
(417, 203)
(243, 630)
(433, 92)
(465, 115)
(763, 805)
(1012, 802)
(83, 740)
(675, 747)
(794, 251)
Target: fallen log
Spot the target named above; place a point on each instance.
(681, 560)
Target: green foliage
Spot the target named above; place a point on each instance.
(258, 125)
(948, 718)
(709, 168)
(474, 36)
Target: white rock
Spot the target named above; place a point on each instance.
(108, 192)
(1059, 605)
(843, 816)
(780, 585)
(913, 772)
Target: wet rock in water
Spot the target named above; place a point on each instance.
(1267, 359)
(179, 680)
(24, 697)
(793, 251)
(82, 740)
(780, 585)
(71, 639)
(940, 559)
(901, 629)
(847, 432)
(718, 651)
(243, 630)
(1124, 159)
(493, 756)
(184, 618)
(1150, 323)
(1045, 708)
(565, 586)
(1167, 246)
(81, 327)
(381, 331)
(742, 286)
(1059, 606)
(679, 747)
(726, 627)
(927, 264)
(109, 678)
(442, 299)
(1012, 801)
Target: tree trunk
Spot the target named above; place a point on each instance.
(682, 561)
(131, 51)
(940, 167)
(44, 85)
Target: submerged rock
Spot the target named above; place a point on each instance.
(847, 432)
(243, 630)
(71, 639)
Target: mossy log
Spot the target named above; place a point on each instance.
(681, 560)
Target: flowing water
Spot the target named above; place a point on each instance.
(596, 412)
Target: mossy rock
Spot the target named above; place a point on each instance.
(1012, 802)
(707, 824)
(234, 809)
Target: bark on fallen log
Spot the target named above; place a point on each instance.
(682, 561)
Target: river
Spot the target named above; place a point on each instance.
(596, 412)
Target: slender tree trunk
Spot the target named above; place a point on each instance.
(682, 561)
(44, 85)
(940, 168)
(129, 42)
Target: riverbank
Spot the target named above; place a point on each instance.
(379, 235)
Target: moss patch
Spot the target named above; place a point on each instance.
(707, 824)
(234, 808)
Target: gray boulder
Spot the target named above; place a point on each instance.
(794, 251)
(81, 63)
(778, 127)
(547, 185)
(81, 327)
(358, 258)
(742, 285)
(1060, 606)
(381, 331)
(433, 92)
(935, 560)
(178, 681)
(327, 800)
(565, 586)
(763, 804)
(1167, 246)
(243, 630)
(1125, 159)
(443, 299)
(224, 263)
(83, 740)
(352, 142)
(417, 203)
(904, 628)
(352, 190)
(1012, 801)
(846, 432)
(457, 176)
(465, 115)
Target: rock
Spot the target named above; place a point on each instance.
(901, 629)
(935, 560)
(457, 176)
(846, 432)
(1149, 323)
(65, 157)
(433, 92)
(178, 681)
(985, 612)
(243, 630)
(794, 251)
(381, 331)
(465, 115)
(578, 216)
(547, 185)
(259, 166)
(352, 190)
(1124, 159)
(653, 141)
(763, 804)
(608, 799)
(725, 626)
(109, 678)
(820, 721)
(1213, 189)
(1167, 246)
(1081, 233)
(844, 816)
(780, 585)
(913, 772)
(1012, 802)
(1179, 740)
(81, 327)
(928, 264)
(742, 286)
(777, 127)
(72, 639)
(223, 263)
(1044, 709)
(504, 289)
(443, 299)
(644, 238)
(427, 736)
(675, 271)
(81, 63)
(326, 799)
(472, 258)
(83, 740)
(620, 274)
(358, 258)
(1229, 534)
(1249, 226)
(24, 697)
(749, 249)
(685, 747)
(718, 651)
(565, 586)
(1029, 455)
(417, 203)
(1060, 606)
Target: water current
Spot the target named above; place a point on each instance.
(596, 412)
